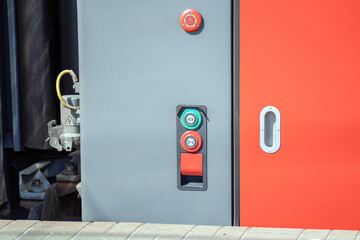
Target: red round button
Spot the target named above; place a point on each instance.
(190, 20)
(191, 141)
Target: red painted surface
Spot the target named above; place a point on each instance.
(191, 164)
(190, 20)
(302, 57)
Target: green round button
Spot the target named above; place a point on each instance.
(191, 118)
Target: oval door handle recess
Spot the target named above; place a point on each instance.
(270, 129)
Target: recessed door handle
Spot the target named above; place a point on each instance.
(270, 129)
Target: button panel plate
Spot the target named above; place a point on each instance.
(191, 126)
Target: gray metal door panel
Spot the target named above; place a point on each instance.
(136, 65)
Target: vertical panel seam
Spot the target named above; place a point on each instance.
(235, 42)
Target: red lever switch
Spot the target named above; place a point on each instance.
(191, 164)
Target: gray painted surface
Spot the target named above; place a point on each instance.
(136, 65)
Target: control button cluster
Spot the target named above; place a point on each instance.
(191, 140)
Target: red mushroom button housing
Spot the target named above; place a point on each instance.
(191, 141)
(190, 20)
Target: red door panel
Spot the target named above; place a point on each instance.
(303, 57)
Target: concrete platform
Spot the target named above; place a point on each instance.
(31, 230)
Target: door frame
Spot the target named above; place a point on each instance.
(235, 118)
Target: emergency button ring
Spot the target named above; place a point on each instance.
(191, 119)
(191, 141)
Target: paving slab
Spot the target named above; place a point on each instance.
(3, 223)
(94, 231)
(230, 233)
(122, 230)
(202, 232)
(311, 234)
(272, 233)
(161, 231)
(52, 230)
(343, 235)
(16, 229)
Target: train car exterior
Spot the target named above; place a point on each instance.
(275, 84)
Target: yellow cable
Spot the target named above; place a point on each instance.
(73, 76)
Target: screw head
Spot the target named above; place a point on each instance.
(190, 142)
(190, 119)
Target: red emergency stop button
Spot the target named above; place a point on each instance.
(191, 141)
(190, 20)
